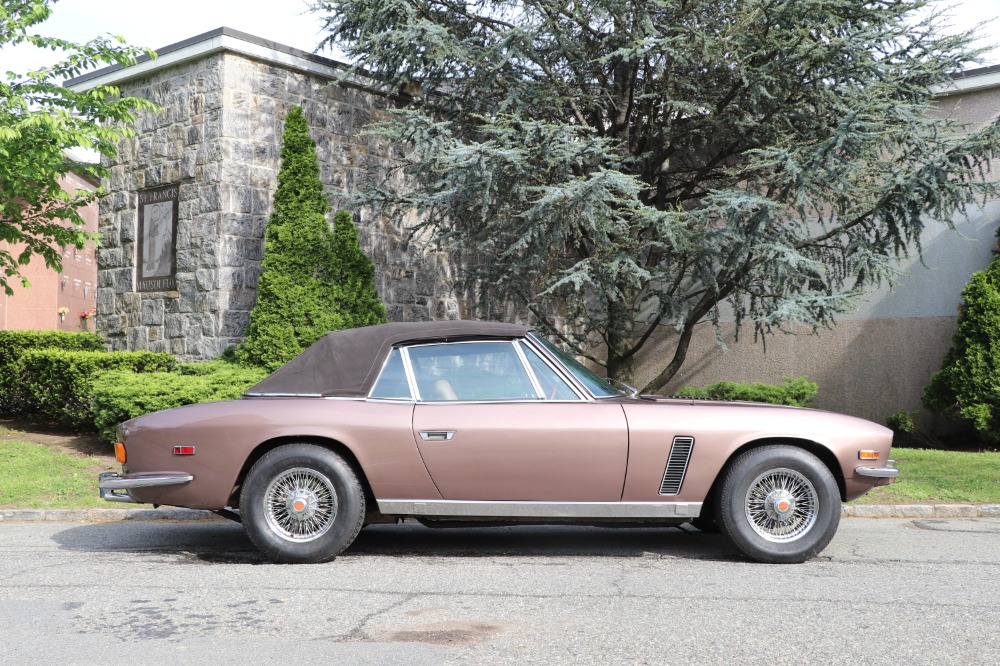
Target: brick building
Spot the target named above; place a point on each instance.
(75, 289)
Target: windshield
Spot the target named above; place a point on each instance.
(597, 385)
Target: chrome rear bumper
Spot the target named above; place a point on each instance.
(114, 487)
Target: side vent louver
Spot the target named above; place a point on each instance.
(677, 464)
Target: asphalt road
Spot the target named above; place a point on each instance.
(884, 592)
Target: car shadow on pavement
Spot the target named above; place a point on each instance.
(226, 543)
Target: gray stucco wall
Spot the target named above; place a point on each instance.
(876, 360)
(218, 136)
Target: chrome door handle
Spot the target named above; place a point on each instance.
(437, 435)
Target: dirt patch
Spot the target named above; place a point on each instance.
(78, 445)
(443, 633)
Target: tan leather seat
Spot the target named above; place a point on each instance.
(444, 390)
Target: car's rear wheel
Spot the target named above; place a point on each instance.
(778, 504)
(302, 503)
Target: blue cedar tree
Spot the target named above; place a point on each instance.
(639, 166)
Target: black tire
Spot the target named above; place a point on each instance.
(751, 513)
(302, 504)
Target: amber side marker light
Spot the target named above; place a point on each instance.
(120, 452)
(183, 450)
(868, 455)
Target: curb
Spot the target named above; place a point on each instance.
(921, 511)
(188, 515)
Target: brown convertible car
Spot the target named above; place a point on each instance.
(460, 422)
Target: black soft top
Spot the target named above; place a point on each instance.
(346, 363)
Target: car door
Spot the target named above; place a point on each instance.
(490, 429)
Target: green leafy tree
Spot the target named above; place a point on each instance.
(631, 165)
(314, 279)
(968, 384)
(39, 121)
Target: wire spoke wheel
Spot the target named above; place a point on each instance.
(778, 503)
(781, 505)
(300, 504)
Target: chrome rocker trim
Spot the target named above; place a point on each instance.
(114, 487)
(597, 510)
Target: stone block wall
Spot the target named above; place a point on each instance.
(218, 136)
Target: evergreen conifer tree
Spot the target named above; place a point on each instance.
(297, 294)
(968, 384)
(644, 168)
(358, 302)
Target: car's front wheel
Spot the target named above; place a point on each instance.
(302, 503)
(778, 504)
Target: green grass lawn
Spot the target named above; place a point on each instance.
(34, 476)
(941, 477)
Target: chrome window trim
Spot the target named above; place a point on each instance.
(509, 401)
(557, 369)
(412, 377)
(503, 509)
(284, 395)
(385, 362)
(527, 368)
(553, 362)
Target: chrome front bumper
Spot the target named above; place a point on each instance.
(884, 475)
(114, 487)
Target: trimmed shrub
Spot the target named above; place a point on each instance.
(297, 291)
(57, 384)
(14, 344)
(902, 422)
(967, 386)
(797, 392)
(357, 301)
(314, 279)
(120, 395)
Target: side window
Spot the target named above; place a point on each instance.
(470, 371)
(392, 382)
(553, 386)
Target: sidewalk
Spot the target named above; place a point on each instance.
(117, 515)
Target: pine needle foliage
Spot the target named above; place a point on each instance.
(968, 384)
(314, 279)
(631, 165)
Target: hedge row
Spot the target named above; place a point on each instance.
(14, 344)
(797, 392)
(57, 384)
(121, 395)
(65, 378)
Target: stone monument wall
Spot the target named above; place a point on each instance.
(217, 138)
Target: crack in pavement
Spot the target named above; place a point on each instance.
(357, 633)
